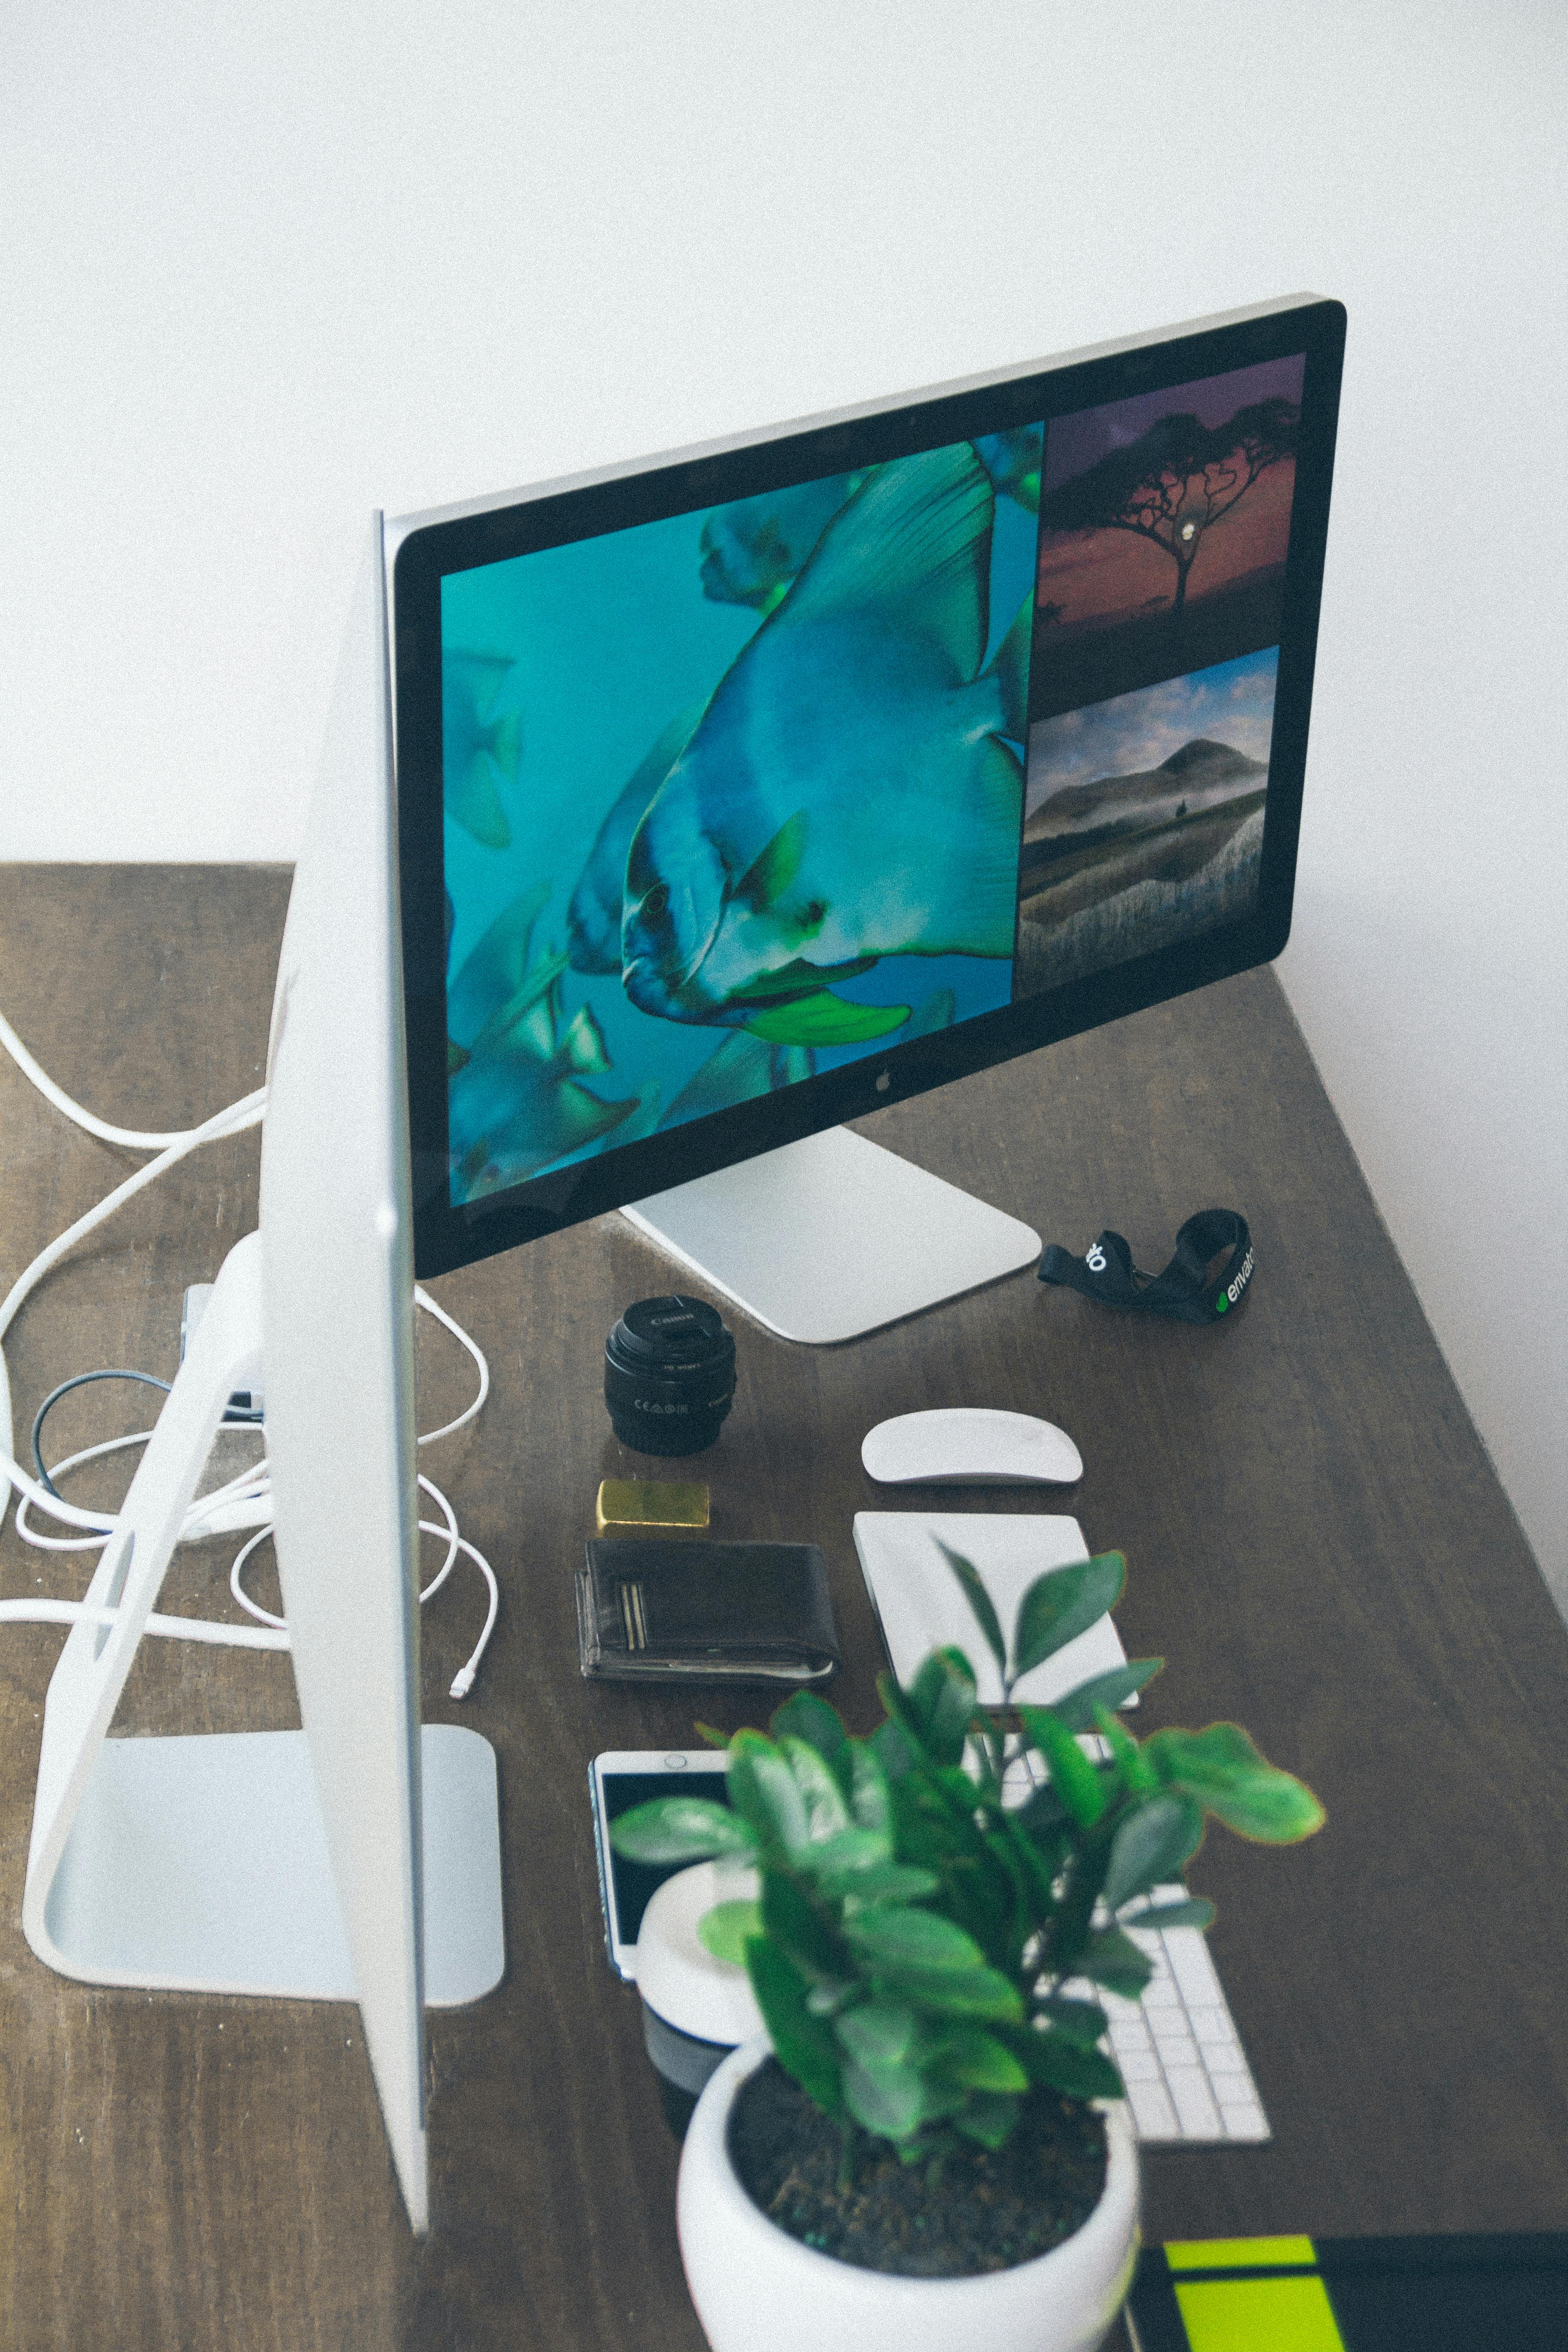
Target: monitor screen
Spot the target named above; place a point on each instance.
(866, 753)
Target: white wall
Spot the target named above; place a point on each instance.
(263, 269)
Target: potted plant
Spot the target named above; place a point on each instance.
(931, 2148)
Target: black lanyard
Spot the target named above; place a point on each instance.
(1185, 1290)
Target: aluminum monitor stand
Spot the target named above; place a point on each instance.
(830, 1237)
(199, 1863)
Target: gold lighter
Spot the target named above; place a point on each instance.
(638, 1506)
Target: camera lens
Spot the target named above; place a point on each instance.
(669, 1375)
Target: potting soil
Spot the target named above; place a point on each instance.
(971, 2210)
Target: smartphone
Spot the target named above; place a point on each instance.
(617, 1780)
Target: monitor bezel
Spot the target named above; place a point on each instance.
(426, 549)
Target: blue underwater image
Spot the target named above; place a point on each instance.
(732, 799)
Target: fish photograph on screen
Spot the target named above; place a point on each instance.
(740, 795)
(1164, 529)
(730, 798)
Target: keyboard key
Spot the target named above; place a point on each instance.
(1210, 2024)
(1138, 2066)
(1191, 1965)
(1248, 2123)
(1152, 2112)
(1132, 2034)
(1194, 2103)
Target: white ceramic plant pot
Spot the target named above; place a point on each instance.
(757, 2289)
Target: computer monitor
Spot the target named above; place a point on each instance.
(358, 1859)
(738, 793)
(748, 789)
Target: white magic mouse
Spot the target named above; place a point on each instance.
(970, 1446)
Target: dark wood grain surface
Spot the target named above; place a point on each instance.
(1317, 1545)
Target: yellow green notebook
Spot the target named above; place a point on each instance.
(1494, 2294)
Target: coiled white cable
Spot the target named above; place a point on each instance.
(463, 1681)
(234, 1120)
(252, 1483)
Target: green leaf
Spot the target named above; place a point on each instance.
(941, 1702)
(829, 1994)
(1222, 1771)
(983, 1993)
(977, 2060)
(877, 2033)
(1138, 1775)
(680, 1829)
(902, 1938)
(898, 1882)
(825, 1812)
(980, 1602)
(1066, 2067)
(1041, 1817)
(803, 2044)
(883, 2086)
(807, 1717)
(1063, 1603)
(791, 1921)
(892, 1747)
(901, 1714)
(1034, 1865)
(1114, 1961)
(710, 1737)
(1076, 1709)
(728, 1928)
(1197, 1911)
(764, 1791)
(871, 1804)
(1153, 1843)
(1082, 2022)
(988, 2118)
(840, 1862)
(887, 2099)
(1073, 1776)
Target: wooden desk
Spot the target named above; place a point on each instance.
(1316, 1543)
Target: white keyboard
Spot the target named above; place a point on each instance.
(1188, 2082)
(1181, 2057)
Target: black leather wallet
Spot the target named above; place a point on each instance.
(656, 1612)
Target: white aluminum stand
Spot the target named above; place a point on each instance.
(825, 1239)
(200, 1864)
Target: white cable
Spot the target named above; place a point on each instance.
(423, 1299)
(174, 1629)
(449, 1531)
(463, 1681)
(30, 1534)
(237, 1589)
(253, 1481)
(128, 1137)
(239, 1115)
(251, 1484)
